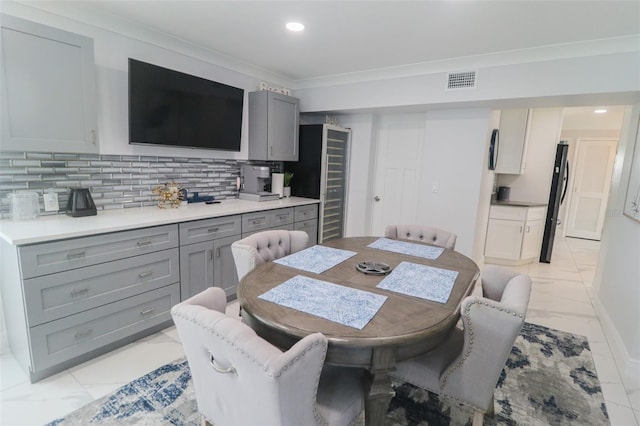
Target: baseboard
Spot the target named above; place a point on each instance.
(628, 367)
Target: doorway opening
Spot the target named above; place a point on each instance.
(593, 134)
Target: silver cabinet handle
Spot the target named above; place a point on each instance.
(79, 291)
(82, 334)
(218, 368)
(145, 274)
(216, 229)
(76, 255)
(146, 312)
(257, 221)
(143, 243)
(377, 198)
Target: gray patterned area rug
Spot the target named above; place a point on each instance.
(549, 379)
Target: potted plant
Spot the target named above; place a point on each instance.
(287, 184)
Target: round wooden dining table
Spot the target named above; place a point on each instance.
(403, 327)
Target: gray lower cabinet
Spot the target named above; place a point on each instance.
(69, 337)
(67, 301)
(208, 262)
(300, 218)
(70, 300)
(306, 219)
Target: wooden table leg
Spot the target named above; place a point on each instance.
(379, 391)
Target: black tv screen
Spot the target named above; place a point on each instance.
(168, 107)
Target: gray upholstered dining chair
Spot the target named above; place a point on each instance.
(241, 379)
(266, 246)
(467, 365)
(424, 233)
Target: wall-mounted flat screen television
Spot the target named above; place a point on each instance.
(168, 107)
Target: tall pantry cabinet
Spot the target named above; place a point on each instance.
(321, 173)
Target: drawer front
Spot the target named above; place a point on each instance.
(66, 293)
(306, 212)
(508, 213)
(282, 217)
(58, 256)
(209, 229)
(311, 228)
(252, 222)
(536, 213)
(67, 338)
(287, 227)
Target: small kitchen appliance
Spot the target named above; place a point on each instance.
(503, 193)
(80, 203)
(254, 182)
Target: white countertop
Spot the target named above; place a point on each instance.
(57, 227)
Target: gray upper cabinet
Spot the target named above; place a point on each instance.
(273, 126)
(48, 89)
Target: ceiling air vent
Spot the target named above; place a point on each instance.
(461, 80)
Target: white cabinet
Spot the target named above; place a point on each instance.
(273, 126)
(512, 141)
(48, 89)
(514, 234)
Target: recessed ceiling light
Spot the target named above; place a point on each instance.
(295, 26)
(600, 111)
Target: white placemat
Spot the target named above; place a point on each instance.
(344, 305)
(403, 247)
(316, 259)
(421, 281)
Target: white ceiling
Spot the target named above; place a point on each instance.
(346, 37)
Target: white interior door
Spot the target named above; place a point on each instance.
(395, 191)
(590, 189)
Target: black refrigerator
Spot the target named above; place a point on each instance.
(559, 185)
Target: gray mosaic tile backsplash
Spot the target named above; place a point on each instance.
(115, 181)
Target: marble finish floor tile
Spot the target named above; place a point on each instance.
(130, 361)
(42, 402)
(620, 415)
(561, 298)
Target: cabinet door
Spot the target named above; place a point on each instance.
(283, 128)
(504, 239)
(282, 217)
(196, 268)
(48, 78)
(311, 228)
(511, 145)
(224, 267)
(532, 239)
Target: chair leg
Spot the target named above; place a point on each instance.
(478, 418)
(491, 410)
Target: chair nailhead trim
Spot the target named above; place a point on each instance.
(467, 352)
(319, 419)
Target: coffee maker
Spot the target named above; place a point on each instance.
(254, 182)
